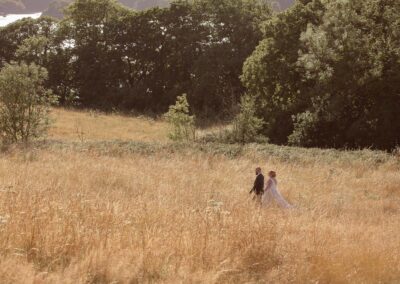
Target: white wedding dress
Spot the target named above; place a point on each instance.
(272, 195)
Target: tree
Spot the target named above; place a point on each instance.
(24, 102)
(271, 73)
(33, 50)
(353, 55)
(14, 35)
(327, 74)
(195, 48)
(182, 123)
(159, 50)
(246, 125)
(95, 58)
(232, 31)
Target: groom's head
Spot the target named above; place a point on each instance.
(258, 171)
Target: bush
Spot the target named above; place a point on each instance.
(24, 103)
(246, 125)
(304, 129)
(182, 123)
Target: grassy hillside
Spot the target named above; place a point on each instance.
(96, 210)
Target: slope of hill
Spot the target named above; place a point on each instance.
(11, 6)
(280, 5)
(54, 7)
(23, 6)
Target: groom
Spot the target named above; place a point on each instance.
(258, 187)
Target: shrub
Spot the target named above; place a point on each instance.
(304, 129)
(246, 125)
(182, 123)
(24, 102)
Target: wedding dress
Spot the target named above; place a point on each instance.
(272, 194)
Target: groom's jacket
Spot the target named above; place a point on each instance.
(258, 187)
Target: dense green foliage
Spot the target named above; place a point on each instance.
(24, 103)
(182, 124)
(246, 125)
(110, 56)
(272, 74)
(13, 36)
(354, 58)
(327, 74)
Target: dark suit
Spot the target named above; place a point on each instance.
(258, 187)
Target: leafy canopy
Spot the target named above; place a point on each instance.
(24, 103)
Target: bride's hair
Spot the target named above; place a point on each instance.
(272, 174)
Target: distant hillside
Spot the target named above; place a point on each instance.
(54, 7)
(23, 6)
(11, 6)
(282, 4)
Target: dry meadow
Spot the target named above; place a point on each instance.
(79, 213)
(83, 126)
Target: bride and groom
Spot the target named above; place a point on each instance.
(270, 193)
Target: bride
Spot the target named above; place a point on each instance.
(272, 194)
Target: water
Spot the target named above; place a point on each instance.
(8, 19)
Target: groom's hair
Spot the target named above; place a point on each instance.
(258, 169)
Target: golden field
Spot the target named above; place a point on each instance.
(87, 211)
(75, 125)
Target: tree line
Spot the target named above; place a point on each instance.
(113, 57)
(327, 74)
(319, 74)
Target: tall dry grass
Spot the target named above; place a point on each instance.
(84, 126)
(70, 216)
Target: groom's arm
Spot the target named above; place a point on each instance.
(256, 184)
(254, 187)
(251, 190)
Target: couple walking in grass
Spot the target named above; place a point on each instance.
(266, 195)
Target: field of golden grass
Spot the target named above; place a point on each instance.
(74, 125)
(85, 214)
